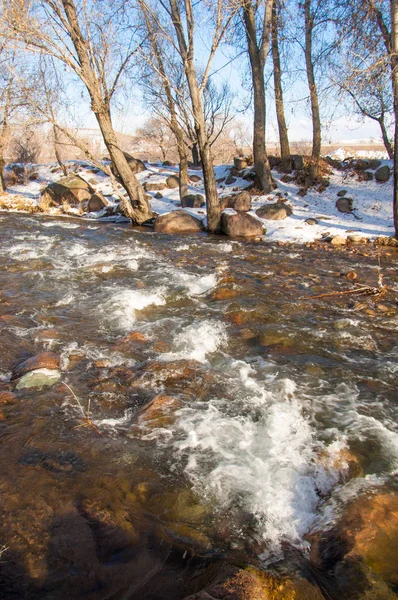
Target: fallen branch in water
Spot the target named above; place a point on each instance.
(87, 422)
(364, 290)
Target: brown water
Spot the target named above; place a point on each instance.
(240, 461)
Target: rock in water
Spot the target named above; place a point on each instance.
(241, 225)
(44, 360)
(178, 221)
(274, 212)
(39, 378)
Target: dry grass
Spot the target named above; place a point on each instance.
(85, 418)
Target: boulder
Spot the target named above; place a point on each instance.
(342, 193)
(374, 164)
(250, 176)
(383, 174)
(70, 190)
(136, 165)
(158, 195)
(240, 202)
(242, 162)
(178, 221)
(193, 201)
(195, 178)
(167, 163)
(44, 360)
(155, 186)
(173, 182)
(311, 221)
(297, 162)
(274, 161)
(241, 225)
(274, 212)
(230, 180)
(362, 165)
(338, 240)
(96, 202)
(344, 205)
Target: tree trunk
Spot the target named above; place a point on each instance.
(386, 140)
(138, 210)
(3, 187)
(394, 65)
(257, 62)
(183, 180)
(57, 152)
(286, 165)
(316, 120)
(195, 155)
(213, 208)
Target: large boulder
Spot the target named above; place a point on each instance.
(240, 202)
(241, 225)
(274, 212)
(382, 174)
(70, 190)
(178, 221)
(193, 201)
(173, 182)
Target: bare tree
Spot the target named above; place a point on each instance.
(26, 147)
(13, 99)
(257, 18)
(182, 15)
(310, 22)
(84, 37)
(280, 109)
(157, 131)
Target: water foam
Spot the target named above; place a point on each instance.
(198, 340)
(260, 454)
(120, 309)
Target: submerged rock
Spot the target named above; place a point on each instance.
(178, 221)
(234, 583)
(39, 378)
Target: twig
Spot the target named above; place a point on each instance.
(87, 422)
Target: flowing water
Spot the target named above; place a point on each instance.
(259, 396)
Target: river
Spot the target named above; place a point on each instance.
(259, 393)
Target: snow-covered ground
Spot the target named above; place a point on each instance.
(372, 201)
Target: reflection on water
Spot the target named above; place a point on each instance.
(214, 411)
